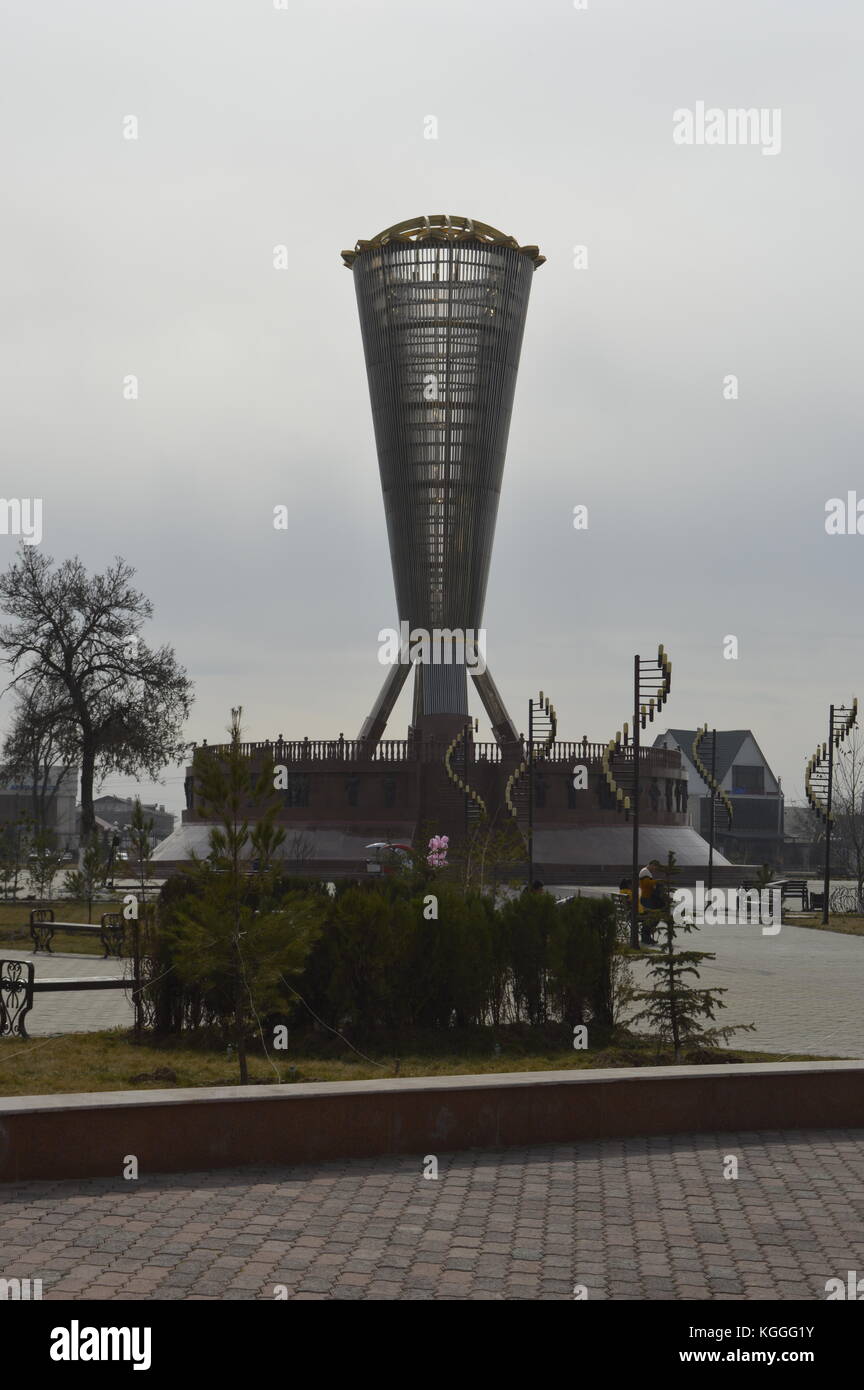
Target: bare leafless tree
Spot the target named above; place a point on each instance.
(36, 748)
(118, 705)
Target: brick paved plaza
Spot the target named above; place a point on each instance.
(802, 988)
(642, 1219)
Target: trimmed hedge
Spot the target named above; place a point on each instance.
(386, 960)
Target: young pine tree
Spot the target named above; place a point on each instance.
(675, 1010)
(82, 883)
(140, 836)
(233, 936)
(44, 861)
(8, 868)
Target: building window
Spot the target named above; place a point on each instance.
(352, 790)
(748, 781)
(296, 790)
(389, 788)
(605, 797)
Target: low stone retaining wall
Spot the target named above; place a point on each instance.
(73, 1136)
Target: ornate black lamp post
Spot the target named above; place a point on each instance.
(819, 781)
(652, 681)
(519, 792)
(705, 746)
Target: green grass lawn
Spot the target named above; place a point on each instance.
(108, 1061)
(850, 923)
(15, 925)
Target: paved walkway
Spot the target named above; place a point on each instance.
(802, 988)
(641, 1219)
(81, 1011)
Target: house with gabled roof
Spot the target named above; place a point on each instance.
(742, 771)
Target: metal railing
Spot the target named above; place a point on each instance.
(430, 750)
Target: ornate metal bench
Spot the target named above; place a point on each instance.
(18, 986)
(111, 931)
(41, 928)
(16, 997)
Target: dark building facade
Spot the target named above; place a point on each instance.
(118, 810)
(49, 802)
(338, 797)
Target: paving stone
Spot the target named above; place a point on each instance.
(647, 1219)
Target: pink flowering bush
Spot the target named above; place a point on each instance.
(437, 856)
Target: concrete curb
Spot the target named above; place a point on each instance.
(89, 1135)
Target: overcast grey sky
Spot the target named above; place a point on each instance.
(305, 127)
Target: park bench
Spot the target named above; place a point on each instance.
(796, 888)
(18, 986)
(648, 919)
(622, 911)
(111, 931)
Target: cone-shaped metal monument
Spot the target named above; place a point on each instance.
(442, 305)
